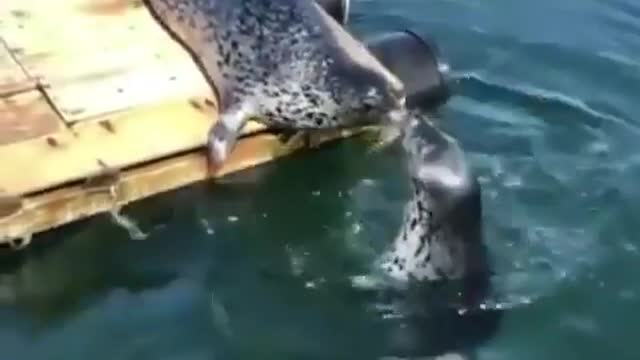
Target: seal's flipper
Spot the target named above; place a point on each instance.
(224, 134)
(308, 139)
(291, 138)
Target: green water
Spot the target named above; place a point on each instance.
(257, 268)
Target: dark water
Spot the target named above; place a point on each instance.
(546, 102)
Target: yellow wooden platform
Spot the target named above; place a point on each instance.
(99, 108)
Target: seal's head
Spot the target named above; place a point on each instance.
(435, 159)
(371, 96)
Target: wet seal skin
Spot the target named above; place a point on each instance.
(285, 63)
(434, 278)
(441, 234)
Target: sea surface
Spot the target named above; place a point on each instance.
(546, 102)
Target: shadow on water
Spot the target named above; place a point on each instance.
(258, 262)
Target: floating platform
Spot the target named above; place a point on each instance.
(99, 107)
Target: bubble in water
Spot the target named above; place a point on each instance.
(296, 260)
(356, 228)
(207, 227)
(314, 284)
(629, 247)
(512, 181)
(627, 294)
(368, 182)
(365, 282)
(598, 148)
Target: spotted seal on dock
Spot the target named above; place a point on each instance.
(285, 63)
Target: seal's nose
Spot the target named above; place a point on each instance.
(397, 96)
(397, 88)
(397, 115)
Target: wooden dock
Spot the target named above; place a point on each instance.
(99, 108)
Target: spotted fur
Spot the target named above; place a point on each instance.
(441, 225)
(286, 63)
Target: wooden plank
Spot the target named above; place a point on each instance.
(107, 56)
(12, 78)
(79, 100)
(49, 210)
(24, 116)
(109, 62)
(121, 141)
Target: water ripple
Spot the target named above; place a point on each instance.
(533, 97)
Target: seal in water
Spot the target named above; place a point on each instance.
(441, 234)
(440, 242)
(285, 63)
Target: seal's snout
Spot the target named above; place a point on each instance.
(396, 94)
(397, 112)
(397, 116)
(396, 100)
(436, 159)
